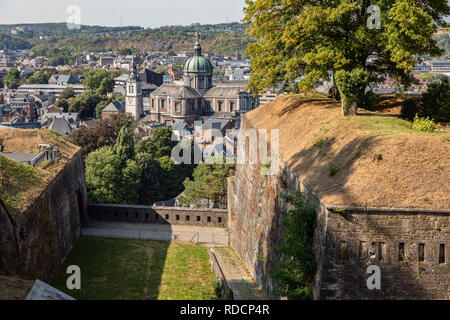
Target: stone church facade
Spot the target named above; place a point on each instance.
(196, 97)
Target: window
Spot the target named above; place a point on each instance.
(220, 220)
(421, 252)
(177, 107)
(163, 103)
(401, 252)
(208, 105)
(188, 218)
(209, 219)
(231, 106)
(191, 106)
(381, 251)
(198, 219)
(153, 103)
(167, 217)
(178, 217)
(219, 108)
(442, 253)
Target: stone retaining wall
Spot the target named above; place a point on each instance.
(164, 215)
(345, 242)
(41, 237)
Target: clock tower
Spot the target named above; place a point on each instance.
(134, 103)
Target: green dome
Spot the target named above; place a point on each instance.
(198, 64)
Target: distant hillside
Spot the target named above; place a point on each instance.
(14, 42)
(225, 38)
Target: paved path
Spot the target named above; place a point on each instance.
(237, 277)
(163, 232)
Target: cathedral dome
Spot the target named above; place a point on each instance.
(198, 63)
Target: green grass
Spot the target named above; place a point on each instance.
(119, 269)
(17, 182)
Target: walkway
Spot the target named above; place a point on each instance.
(237, 277)
(162, 232)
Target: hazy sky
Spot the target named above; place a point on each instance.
(145, 13)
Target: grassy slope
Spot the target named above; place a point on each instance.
(380, 160)
(116, 269)
(20, 184)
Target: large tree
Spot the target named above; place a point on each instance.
(109, 180)
(12, 78)
(306, 40)
(209, 182)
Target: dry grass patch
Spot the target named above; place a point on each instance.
(378, 159)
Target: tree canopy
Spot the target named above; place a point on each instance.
(209, 182)
(298, 42)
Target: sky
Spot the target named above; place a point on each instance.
(144, 13)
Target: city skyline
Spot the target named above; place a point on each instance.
(116, 14)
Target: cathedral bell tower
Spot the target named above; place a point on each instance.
(134, 103)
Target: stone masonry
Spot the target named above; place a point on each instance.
(411, 246)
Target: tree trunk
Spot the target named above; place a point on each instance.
(352, 110)
(333, 93)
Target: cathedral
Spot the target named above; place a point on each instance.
(192, 99)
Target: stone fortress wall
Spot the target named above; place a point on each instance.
(159, 215)
(411, 246)
(38, 240)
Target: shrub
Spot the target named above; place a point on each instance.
(369, 101)
(294, 273)
(352, 87)
(436, 101)
(332, 170)
(410, 107)
(424, 124)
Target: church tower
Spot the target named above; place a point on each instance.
(134, 103)
(198, 70)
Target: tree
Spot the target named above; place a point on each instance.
(160, 144)
(103, 134)
(436, 101)
(67, 93)
(110, 181)
(85, 104)
(306, 40)
(106, 86)
(151, 189)
(12, 78)
(93, 79)
(99, 108)
(172, 177)
(352, 87)
(62, 103)
(39, 77)
(294, 273)
(209, 182)
(124, 147)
